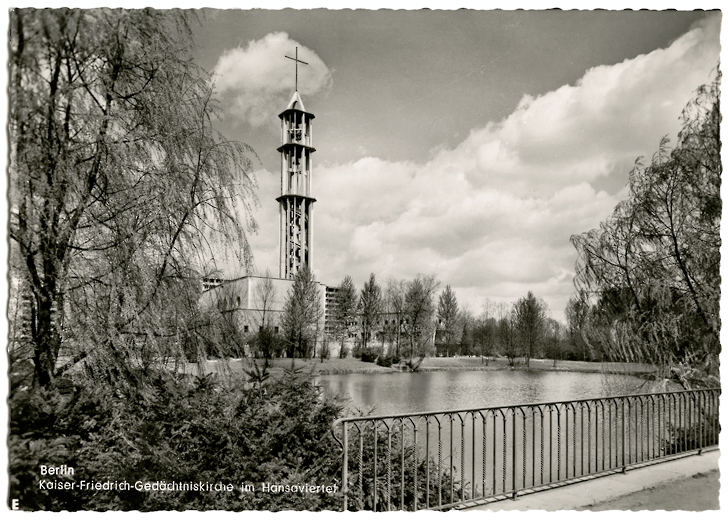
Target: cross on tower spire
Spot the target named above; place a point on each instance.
(297, 62)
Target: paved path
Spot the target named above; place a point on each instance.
(686, 484)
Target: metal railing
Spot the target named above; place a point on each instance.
(453, 458)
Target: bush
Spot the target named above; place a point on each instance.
(368, 356)
(276, 431)
(390, 447)
(387, 361)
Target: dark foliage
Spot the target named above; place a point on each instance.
(388, 361)
(395, 480)
(274, 431)
(368, 356)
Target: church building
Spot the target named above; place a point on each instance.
(252, 299)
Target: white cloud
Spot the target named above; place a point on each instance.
(493, 216)
(258, 79)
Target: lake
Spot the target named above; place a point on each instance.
(393, 393)
(553, 443)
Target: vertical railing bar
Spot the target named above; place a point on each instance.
(699, 418)
(660, 406)
(566, 429)
(691, 420)
(573, 440)
(344, 464)
(462, 457)
(361, 465)
(710, 434)
(439, 463)
(714, 399)
(675, 440)
(401, 484)
(472, 466)
(715, 416)
(427, 463)
(513, 454)
(451, 465)
(523, 431)
(683, 410)
(703, 417)
(641, 432)
(601, 405)
(540, 412)
(610, 435)
(581, 437)
(624, 431)
(485, 451)
(505, 430)
(414, 460)
(701, 421)
(588, 438)
(389, 466)
(558, 443)
(551, 444)
(711, 417)
(375, 479)
(533, 446)
(629, 432)
(495, 441)
(668, 426)
(688, 421)
(648, 429)
(708, 417)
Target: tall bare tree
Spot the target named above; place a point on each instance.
(266, 339)
(420, 314)
(346, 305)
(507, 337)
(302, 315)
(370, 308)
(530, 321)
(447, 315)
(395, 305)
(118, 181)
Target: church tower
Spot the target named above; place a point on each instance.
(295, 201)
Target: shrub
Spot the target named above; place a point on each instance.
(368, 356)
(390, 447)
(387, 361)
(384, 361)
(276, 431)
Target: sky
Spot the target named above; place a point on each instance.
(469, 144)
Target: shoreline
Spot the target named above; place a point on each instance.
(347, 366)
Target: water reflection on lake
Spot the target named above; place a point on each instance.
(393, 393)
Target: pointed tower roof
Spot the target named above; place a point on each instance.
(295, 104)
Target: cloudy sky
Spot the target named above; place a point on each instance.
(470, 144)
